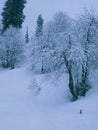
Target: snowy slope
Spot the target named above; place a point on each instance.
(20, 110)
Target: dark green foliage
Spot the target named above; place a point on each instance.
(27, 36)
(39, 28)
(12, 14)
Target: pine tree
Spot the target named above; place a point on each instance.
(39, 28)
(27, 36)
(12, 14)
(39, 39)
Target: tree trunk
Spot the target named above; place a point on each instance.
(84, 84)
(71, 86)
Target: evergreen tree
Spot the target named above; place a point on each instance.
(39, 40)
(27, 36)
(39, 28)
(12, 14)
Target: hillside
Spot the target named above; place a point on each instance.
(21, 110)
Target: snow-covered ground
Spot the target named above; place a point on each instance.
(20, 110)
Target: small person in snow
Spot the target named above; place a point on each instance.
(80, 111)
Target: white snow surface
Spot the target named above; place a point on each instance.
(48, 110)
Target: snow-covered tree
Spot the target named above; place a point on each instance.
(11, 48)
(38, 46)
(45, 46)
(61, 22)
(87, 35)
(69, 44)
(53, 32)
(39, 28)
